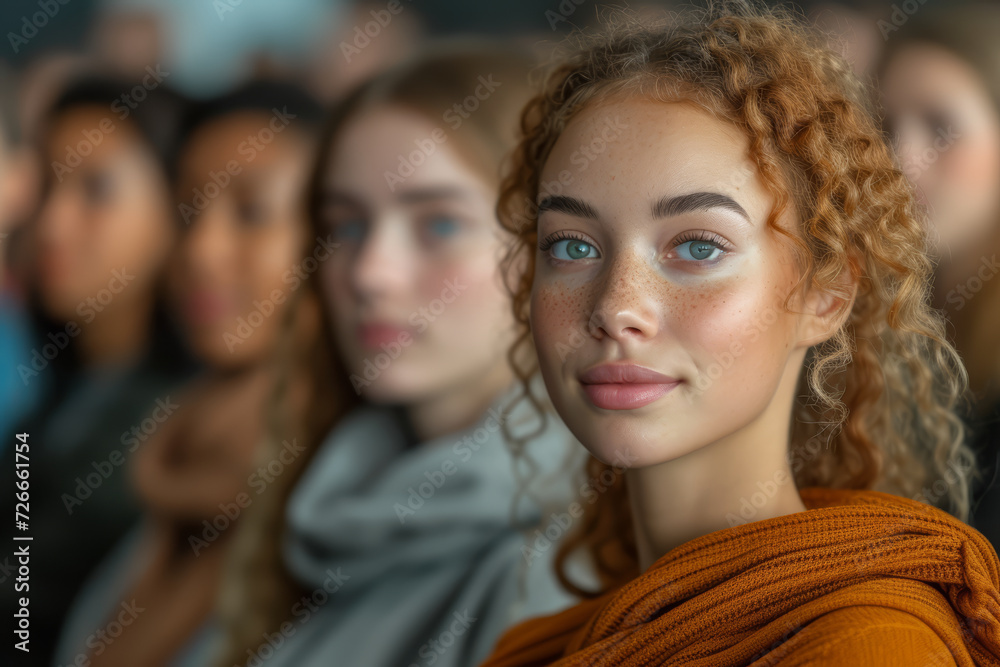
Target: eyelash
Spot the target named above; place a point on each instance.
(549, 241)
(701, 236)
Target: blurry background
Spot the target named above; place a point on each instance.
(942, 102)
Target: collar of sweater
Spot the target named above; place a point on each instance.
(730, 596)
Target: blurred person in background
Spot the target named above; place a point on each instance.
(410, 536)
(17, 191)
(940, 82)
(360, 42)
(105, 351)
(853, 31)
(235, 283)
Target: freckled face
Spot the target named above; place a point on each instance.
(637, 272)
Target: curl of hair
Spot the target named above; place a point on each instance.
(882, 394)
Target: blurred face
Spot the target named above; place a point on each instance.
(657, 304)
(239, 259)
(948, 138)
(105, 226)
(416, 300)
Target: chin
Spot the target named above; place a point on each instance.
(62, 307)
(212, 350)
(633, 438)
(391, 386)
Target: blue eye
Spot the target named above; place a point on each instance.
(442, 227)
(699, 250)
(572, 249)
(349, 230)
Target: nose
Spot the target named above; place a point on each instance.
(209, 244)
(383, 263)
(625, 307)
(911, 144)
(56, 218)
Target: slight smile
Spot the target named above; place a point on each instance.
(624, 386)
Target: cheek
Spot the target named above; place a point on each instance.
(742, 333)
(135, 235)
(269, 257)
(559, 318)
(973, 166)
(477, 300)
(336, 279)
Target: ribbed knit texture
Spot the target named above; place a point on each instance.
(861, 578)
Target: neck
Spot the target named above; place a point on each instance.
(743, 477)
(118, 334)
(460, 407)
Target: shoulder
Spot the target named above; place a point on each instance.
(865, 635)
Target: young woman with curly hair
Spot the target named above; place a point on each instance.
(726, 279)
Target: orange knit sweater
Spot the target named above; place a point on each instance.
(860, 579)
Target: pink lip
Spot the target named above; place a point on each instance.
(204, 307)
(373, 335)
(624, 386)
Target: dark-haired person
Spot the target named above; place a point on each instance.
(235, 283)
(106, 352)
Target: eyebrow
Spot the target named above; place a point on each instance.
(664, 208)
(696, 201)
(568, 205)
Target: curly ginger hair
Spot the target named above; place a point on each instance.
(884, 392)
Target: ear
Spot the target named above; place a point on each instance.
(824, 311)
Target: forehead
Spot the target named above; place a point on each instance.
(91, 130)
(643, 149)
(920, 70)
(386, 150)
(248, 137)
